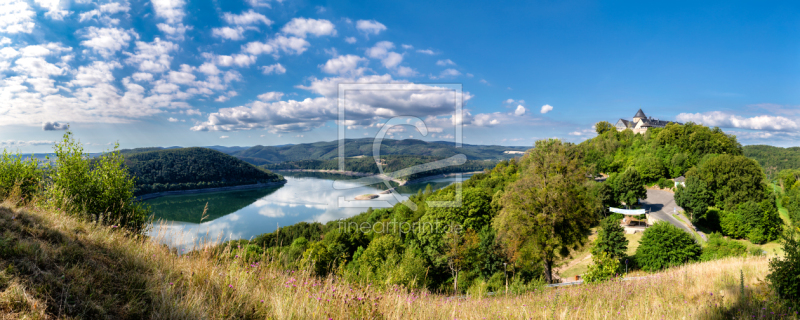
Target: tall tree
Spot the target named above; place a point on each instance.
(611, 239)
(603, 127)
(548, 209)
(630, 187)
(695, 197)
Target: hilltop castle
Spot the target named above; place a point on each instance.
(641, 123)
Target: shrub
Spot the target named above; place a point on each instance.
(664, 245)
(718, 247)
(665, 183)
(783, 277)
(16, 173)
(101, 187)
(611, 239)
(756, 252)
(604, 268)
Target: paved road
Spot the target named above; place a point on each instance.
(662, 205)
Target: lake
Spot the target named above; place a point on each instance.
(244, 214)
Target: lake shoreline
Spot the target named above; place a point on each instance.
(398, 181)
(208, 190)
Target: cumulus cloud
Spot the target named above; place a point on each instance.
(171, 10)
(152, 56)
(273, 69)
(270, 96)
(171, 119)
(104, 11)
(350, 40)
(16, 16)
(445, 62)
(236, 33)
(55, 9)
(426, 51)
(246, 18)
(281, 43)
(344, 65)
(448, 73)
(107, 41)
(224, 137)
(51, 126)
(174, 32)
(302, 27)
(370, 27)
(725, 120)
(389, 59)
(546, 108)
(520, 110)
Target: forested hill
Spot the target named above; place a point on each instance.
(327, 150)
(774, 159)
(191, 168)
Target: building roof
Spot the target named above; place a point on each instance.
(680, 179)
(640, 114)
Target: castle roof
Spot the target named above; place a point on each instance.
(640, 114)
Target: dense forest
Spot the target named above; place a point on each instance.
(191, 168)
(774, 159)
(511, 224)
(328, 150)
(390, 164)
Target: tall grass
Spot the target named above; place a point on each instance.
(56, 266)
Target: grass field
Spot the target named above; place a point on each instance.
(55, 267)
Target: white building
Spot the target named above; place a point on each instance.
(641, 123)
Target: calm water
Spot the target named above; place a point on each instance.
(247, 213)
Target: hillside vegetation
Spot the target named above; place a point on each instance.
(328, 150)
(390, 164)
(774, 159)
(192, 168)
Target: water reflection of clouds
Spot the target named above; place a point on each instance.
(300, 199)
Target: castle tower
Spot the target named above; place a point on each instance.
(639, 116)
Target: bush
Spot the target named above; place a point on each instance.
(650, 168)
(664, 245)
(100, 187)
(784, 273)
(718, 247)
(605, 267)
(665, 183)
(16, 173)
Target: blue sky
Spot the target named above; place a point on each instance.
(265, 72)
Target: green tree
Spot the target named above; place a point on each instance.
(603, 127)
(630, 187)
(611, 239)
(650, 168)
(785, 272)
(604, 267)
(732, 179)
(695, 197)
(547, 210)
(664, 245)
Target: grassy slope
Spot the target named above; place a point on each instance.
(54, 266)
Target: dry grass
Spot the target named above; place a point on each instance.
(53, 266)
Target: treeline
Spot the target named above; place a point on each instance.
(328, 150)
(390, 164)
(774, 159)
(192, 168)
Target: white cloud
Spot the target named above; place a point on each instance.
(171, 119)
(721, 119)
(273, 69)
(241, 60)
(445, 62)
(289, 45)
(227, 96)
(174, 32)
(106, 41)
(426, 51)
(209, 69)
(446, 73)
(142, 76)
(350, 40)
(405, 71)
(392, 59)
(484, 82)
(344, 65)
(229, 33)
(270, 96)
(370, 27)
(104, 11)
(224, 137)
(520, 110)
(96, 73)
(4, 41)
(54, 8)
(152, 56)
(171, 10)
(16, 16)
(246, 18)
(302, 27)
(259, 3)
(51, 126)
(407, 46)
(380, 50)
(546, 108)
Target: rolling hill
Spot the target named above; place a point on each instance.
(192, 168)
(774, 159)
